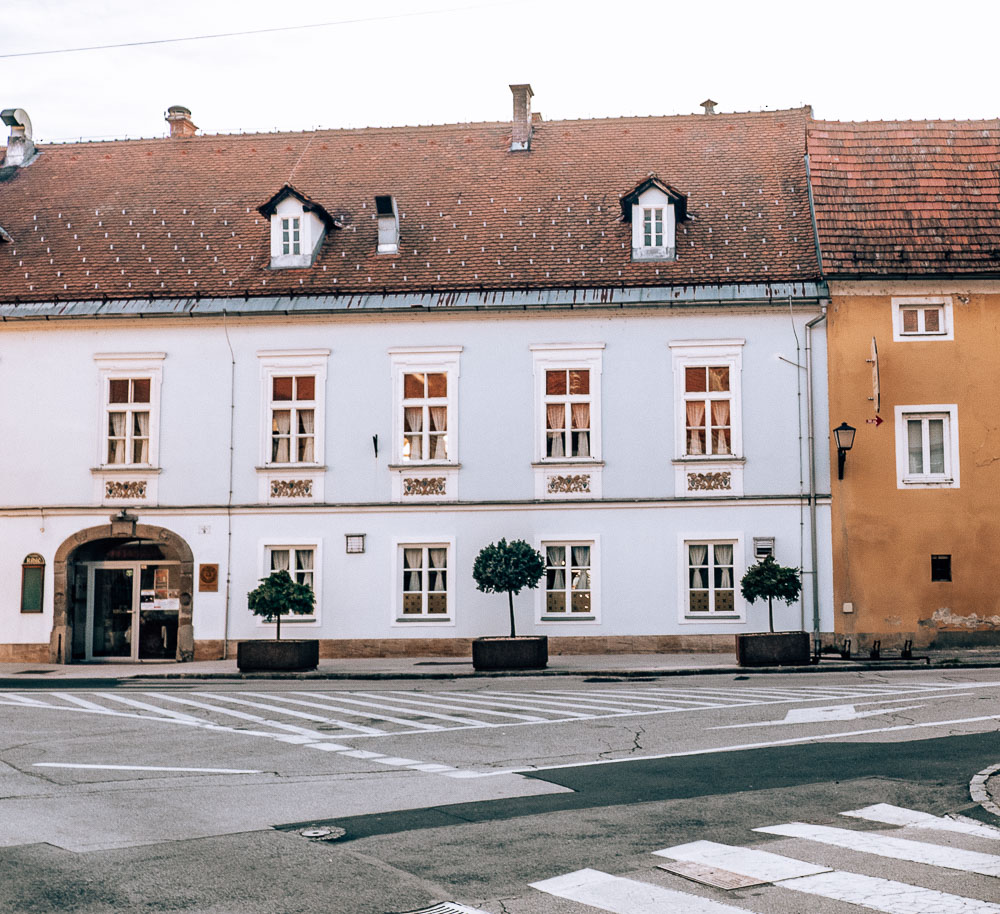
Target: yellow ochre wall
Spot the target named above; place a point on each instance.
(884, 536)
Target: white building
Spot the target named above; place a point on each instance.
(363, 355)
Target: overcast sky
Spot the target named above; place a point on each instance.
(443, 61)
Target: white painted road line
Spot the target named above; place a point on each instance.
(232, 712)
(146, 768)
(288, 712)
(145, 706)
(899, 815)
(743, 860)
(886, 895)
(950, 858)
(627, 896)
(823, 715)
(329, 701)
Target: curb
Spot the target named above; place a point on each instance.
(603, 674)
(979, 792)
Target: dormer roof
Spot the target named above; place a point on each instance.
(630, 199)
(4, 237)
(308, 205)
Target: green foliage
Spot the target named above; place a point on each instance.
(767, 580)
(278, 595)
(507, 568)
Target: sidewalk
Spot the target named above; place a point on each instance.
(14, 675)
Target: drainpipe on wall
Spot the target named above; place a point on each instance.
(229, 502)
(811, 422)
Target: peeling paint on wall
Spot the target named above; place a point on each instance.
(945, 617)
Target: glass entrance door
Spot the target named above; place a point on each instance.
(132, 610)
(113, 608)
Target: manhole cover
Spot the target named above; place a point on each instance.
(323, 833)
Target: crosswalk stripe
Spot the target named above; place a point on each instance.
(746, 861)
(451, 704)
(627, 896)
(232, 712)
(146, 706)
(898, 815)
(633, 702)
(343, 724)
(330, 701)
(544, 704)
(526, 703)
(951, 858)
(77, 700)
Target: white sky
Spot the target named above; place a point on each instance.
(849, 59)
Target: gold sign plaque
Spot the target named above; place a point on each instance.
(208, 578)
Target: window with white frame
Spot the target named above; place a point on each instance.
(424, 579)
(293, 418)
(130, 409)
(291, 241)
(568, 579)
(927, 446)
(711, 580)
(654, 231)
(300, 563)
(707, 381)
(292, 402)
(925, 317)
(425, 383)
(568, 414)
(652, 226)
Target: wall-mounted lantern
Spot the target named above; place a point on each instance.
(844, 436)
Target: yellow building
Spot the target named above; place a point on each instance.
(907, 219)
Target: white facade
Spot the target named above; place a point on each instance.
(479, 456)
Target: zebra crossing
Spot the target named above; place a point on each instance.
(727, 868)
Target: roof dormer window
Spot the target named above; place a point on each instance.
(298, 227)
(388, 224)
(654, 209)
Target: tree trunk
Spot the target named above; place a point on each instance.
(770, 615)
(510, 598)
(277, 634)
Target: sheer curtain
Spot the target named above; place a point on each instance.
(720, 427)
(279, 560)
(696, 427)
(281, 428)
(438, 423)
(724, 567)
(140, 443)
(581, 565)
(307, 426)
(437, 560)
(413, 425)
(116, 438)
(555, 423)
(581, 429)
(698, 562)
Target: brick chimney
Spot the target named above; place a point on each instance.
(520, 137)
(179, 119)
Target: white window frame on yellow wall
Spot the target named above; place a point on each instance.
(921, 304)
(947, 413)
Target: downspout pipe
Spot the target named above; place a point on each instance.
(811, 423)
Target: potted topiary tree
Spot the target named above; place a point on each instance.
(771, 581)
(278, 595)
(508, 568)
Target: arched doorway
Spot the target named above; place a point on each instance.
(123, 590)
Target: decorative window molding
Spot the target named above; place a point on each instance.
(710, 568)
(927, 317)
(927, 447)
(128, 446)
(292, 425)
(33, 583)
(301, 558)
(425, 423)
(423, 582)
(708, 411)
(567, 440)
(570, 590)
(654, 209)
(298, 227)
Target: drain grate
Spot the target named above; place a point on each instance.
(447, 907)
(710, 875)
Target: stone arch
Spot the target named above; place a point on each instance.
(122, 527)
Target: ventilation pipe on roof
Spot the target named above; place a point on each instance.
(709, 106)
(179, 119)
(520, 137)
(388, 224)
(20, 146)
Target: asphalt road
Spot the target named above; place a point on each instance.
(194, 797)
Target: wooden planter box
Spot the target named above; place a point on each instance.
(526, 652)
(773, 649)
(277, 656)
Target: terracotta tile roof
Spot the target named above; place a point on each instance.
(907, 198)
(179, 217)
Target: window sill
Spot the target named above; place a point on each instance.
(289, 467)
(426, 465)
(126, 468)
(713, 617)
(929, 481)
(424, 619)
(708, 458)
(568, 461)
(569, 617)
